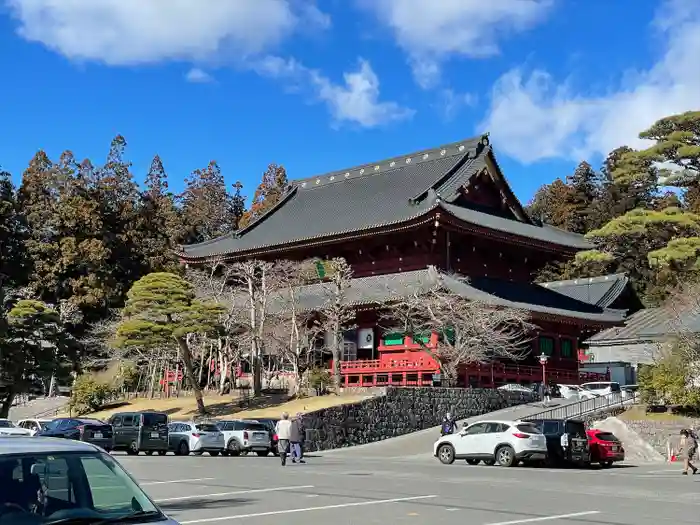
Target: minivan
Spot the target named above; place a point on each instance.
(567, 442)
(137, 431)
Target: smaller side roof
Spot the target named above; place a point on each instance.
(601, 291)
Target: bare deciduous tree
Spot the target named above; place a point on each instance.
(468, 331)
(295, 326)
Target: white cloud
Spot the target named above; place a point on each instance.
(432, 31)
(356, 100)
(198, 76)
(450, 103)
(532, 117)
(131, 32)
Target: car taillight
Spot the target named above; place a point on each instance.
(274, 437)
(521, 435)
(195, 434)
(245, 435)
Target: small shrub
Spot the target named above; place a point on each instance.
(89, 395)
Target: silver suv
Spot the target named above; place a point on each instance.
(242, 436)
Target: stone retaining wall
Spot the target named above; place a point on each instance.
(399, 412)
(659, 433)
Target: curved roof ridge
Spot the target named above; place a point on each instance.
(390, 164)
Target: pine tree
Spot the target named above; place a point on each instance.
(13, 233)
(272, 188)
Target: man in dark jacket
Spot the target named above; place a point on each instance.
(296, 439)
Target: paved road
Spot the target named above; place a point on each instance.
(344, 490)
(420, 444)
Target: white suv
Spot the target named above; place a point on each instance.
(503, 442)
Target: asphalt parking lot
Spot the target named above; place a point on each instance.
(348, 490)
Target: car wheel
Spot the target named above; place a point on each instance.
(489, 462)
(262, 453)
(162, 452)
(473, 461)
(446, 454)
(213, 452)
(183, 449)
(133, 449)
(505, 456)
(234, 449)
(606, 464)
(149, 452)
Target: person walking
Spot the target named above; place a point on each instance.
(449, 425)
(296, 438)
(689, 446)
(283, 429)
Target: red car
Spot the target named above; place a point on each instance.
(605, 448)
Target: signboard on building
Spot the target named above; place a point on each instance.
(365, 338)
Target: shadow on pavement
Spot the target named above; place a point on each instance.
(204, 503)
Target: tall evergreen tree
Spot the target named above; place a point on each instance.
(272, 188)
(159, 221)
(208, 208)
(552, 204)
(582, 198)
(13, 233)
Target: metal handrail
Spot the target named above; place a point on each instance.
(587, 406)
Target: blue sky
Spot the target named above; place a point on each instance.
(324, 85)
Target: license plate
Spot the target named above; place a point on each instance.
(614, 449)
(98, 435)
(154, 434)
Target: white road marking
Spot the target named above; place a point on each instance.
(174, 481)
(547, 518)
(312, 495)
(251, 491)
(451, 510)
(308, 509)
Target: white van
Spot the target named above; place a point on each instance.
(575, 393)
(602, 388)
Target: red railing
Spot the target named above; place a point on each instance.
(418, 370)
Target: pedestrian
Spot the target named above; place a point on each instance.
(689, 446)
(449, 425)
(547, 393)
(283, 429)
(296, 438)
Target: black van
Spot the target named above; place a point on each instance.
(567, 442)
(137, 431)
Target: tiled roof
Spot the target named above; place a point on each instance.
(377, 195)
(601, 291)
(383, 288)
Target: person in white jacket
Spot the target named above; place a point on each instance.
(283, 429)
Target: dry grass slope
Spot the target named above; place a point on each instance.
(226, 407)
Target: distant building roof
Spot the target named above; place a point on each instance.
(649, 325)
(532, 297)
(379, 195)
(601, 291)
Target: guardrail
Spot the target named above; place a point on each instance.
(584, 407)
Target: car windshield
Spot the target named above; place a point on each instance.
(5, 423)
(43, 488)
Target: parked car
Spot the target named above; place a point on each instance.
(271, 425)
(91, 431)
(8, 428)
(602, 388)
(504, 442)
(514, 387)
(629, 391)
(187, 436)
(137, 431)
(606, 448)
(575, 393)
(33, 425)
(243, 436)
(57, 481)
(567, 442)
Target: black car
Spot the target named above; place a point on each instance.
(567, 442)
(91, 431)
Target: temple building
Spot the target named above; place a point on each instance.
(426, 217)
